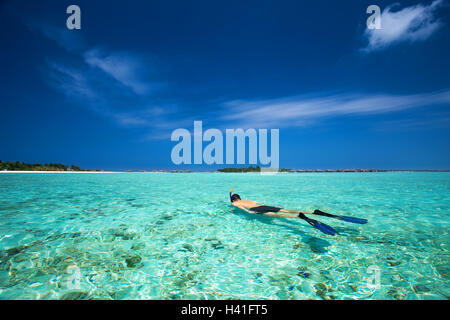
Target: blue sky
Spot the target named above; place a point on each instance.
(109, 95)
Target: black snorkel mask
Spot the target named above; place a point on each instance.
(234, 197)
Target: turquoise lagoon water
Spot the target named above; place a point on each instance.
(175, 236)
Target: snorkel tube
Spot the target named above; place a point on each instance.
(231, 191)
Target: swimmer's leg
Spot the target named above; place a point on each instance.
(294, 211)
(319, 225)
(316, 224)
(277, 215)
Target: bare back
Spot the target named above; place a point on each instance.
(247, 204)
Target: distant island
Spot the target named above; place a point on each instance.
(258, 169)
(249, 169)
(6, 166)
(22, 166)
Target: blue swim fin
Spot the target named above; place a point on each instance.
(319, 225)
(352, 219)
(343, 218)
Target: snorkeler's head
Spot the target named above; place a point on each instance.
(235, 197)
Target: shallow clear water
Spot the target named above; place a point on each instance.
(175, 236)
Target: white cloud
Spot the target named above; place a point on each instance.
(70, 81)
(113, 84)
(123, 67)
(302, 111)
(103, 81)
(414, 23)
(146, 117)
(88, 88)
(126, 68)
(70, 41)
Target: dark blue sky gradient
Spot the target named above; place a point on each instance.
(182, 61)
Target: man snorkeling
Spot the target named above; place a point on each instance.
(278, 212)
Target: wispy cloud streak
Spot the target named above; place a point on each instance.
(301, 111)
(114, 84)
(93, 90)
(123, 67)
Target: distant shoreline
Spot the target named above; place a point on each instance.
(189, 171)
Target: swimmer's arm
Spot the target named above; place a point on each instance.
(244, 208)
(270, 214)
(282, 210)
